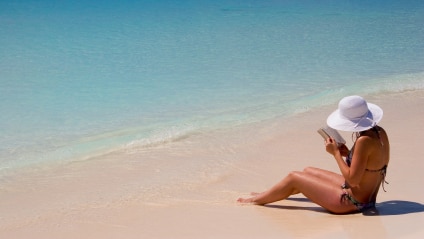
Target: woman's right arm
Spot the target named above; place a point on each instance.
(332, 148)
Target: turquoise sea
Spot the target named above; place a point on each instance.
(84, 78)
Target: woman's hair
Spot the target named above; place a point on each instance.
(376, 129)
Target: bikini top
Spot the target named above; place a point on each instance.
(382, 170)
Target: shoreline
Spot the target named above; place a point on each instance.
(112, 197)
(89, 145)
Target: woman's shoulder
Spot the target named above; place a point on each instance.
(367, 143)
(364, 139)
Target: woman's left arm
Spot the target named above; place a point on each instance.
(354, 173)
(359, 160)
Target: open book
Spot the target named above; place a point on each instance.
(327, 132)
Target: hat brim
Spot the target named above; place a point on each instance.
(336, 121)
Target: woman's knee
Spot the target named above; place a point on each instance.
(295, 175)
(310, 170)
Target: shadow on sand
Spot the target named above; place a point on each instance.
(388, 208)
(311, 208)
(394, 207)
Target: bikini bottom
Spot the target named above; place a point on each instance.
(359, 205)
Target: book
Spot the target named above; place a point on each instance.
(327, 132)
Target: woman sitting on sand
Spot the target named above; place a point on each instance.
(362, 171)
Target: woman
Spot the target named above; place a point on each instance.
(362, 171)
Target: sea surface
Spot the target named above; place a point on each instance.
(80, 79)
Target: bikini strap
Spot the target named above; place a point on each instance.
(383, 172)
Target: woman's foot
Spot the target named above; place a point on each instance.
(245, 200)
(249, 200)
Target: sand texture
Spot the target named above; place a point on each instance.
(120, 196)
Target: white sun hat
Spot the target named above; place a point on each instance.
(355, 114)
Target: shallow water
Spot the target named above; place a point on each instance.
(79, 79)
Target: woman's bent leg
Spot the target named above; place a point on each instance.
(278, 192)
(320, 191)
(322, 174)
(325, 175)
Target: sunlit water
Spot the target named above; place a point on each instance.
(83, 78)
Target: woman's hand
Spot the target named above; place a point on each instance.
(331, 146)
(344, 151)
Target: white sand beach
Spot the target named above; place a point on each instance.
(118, 196)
